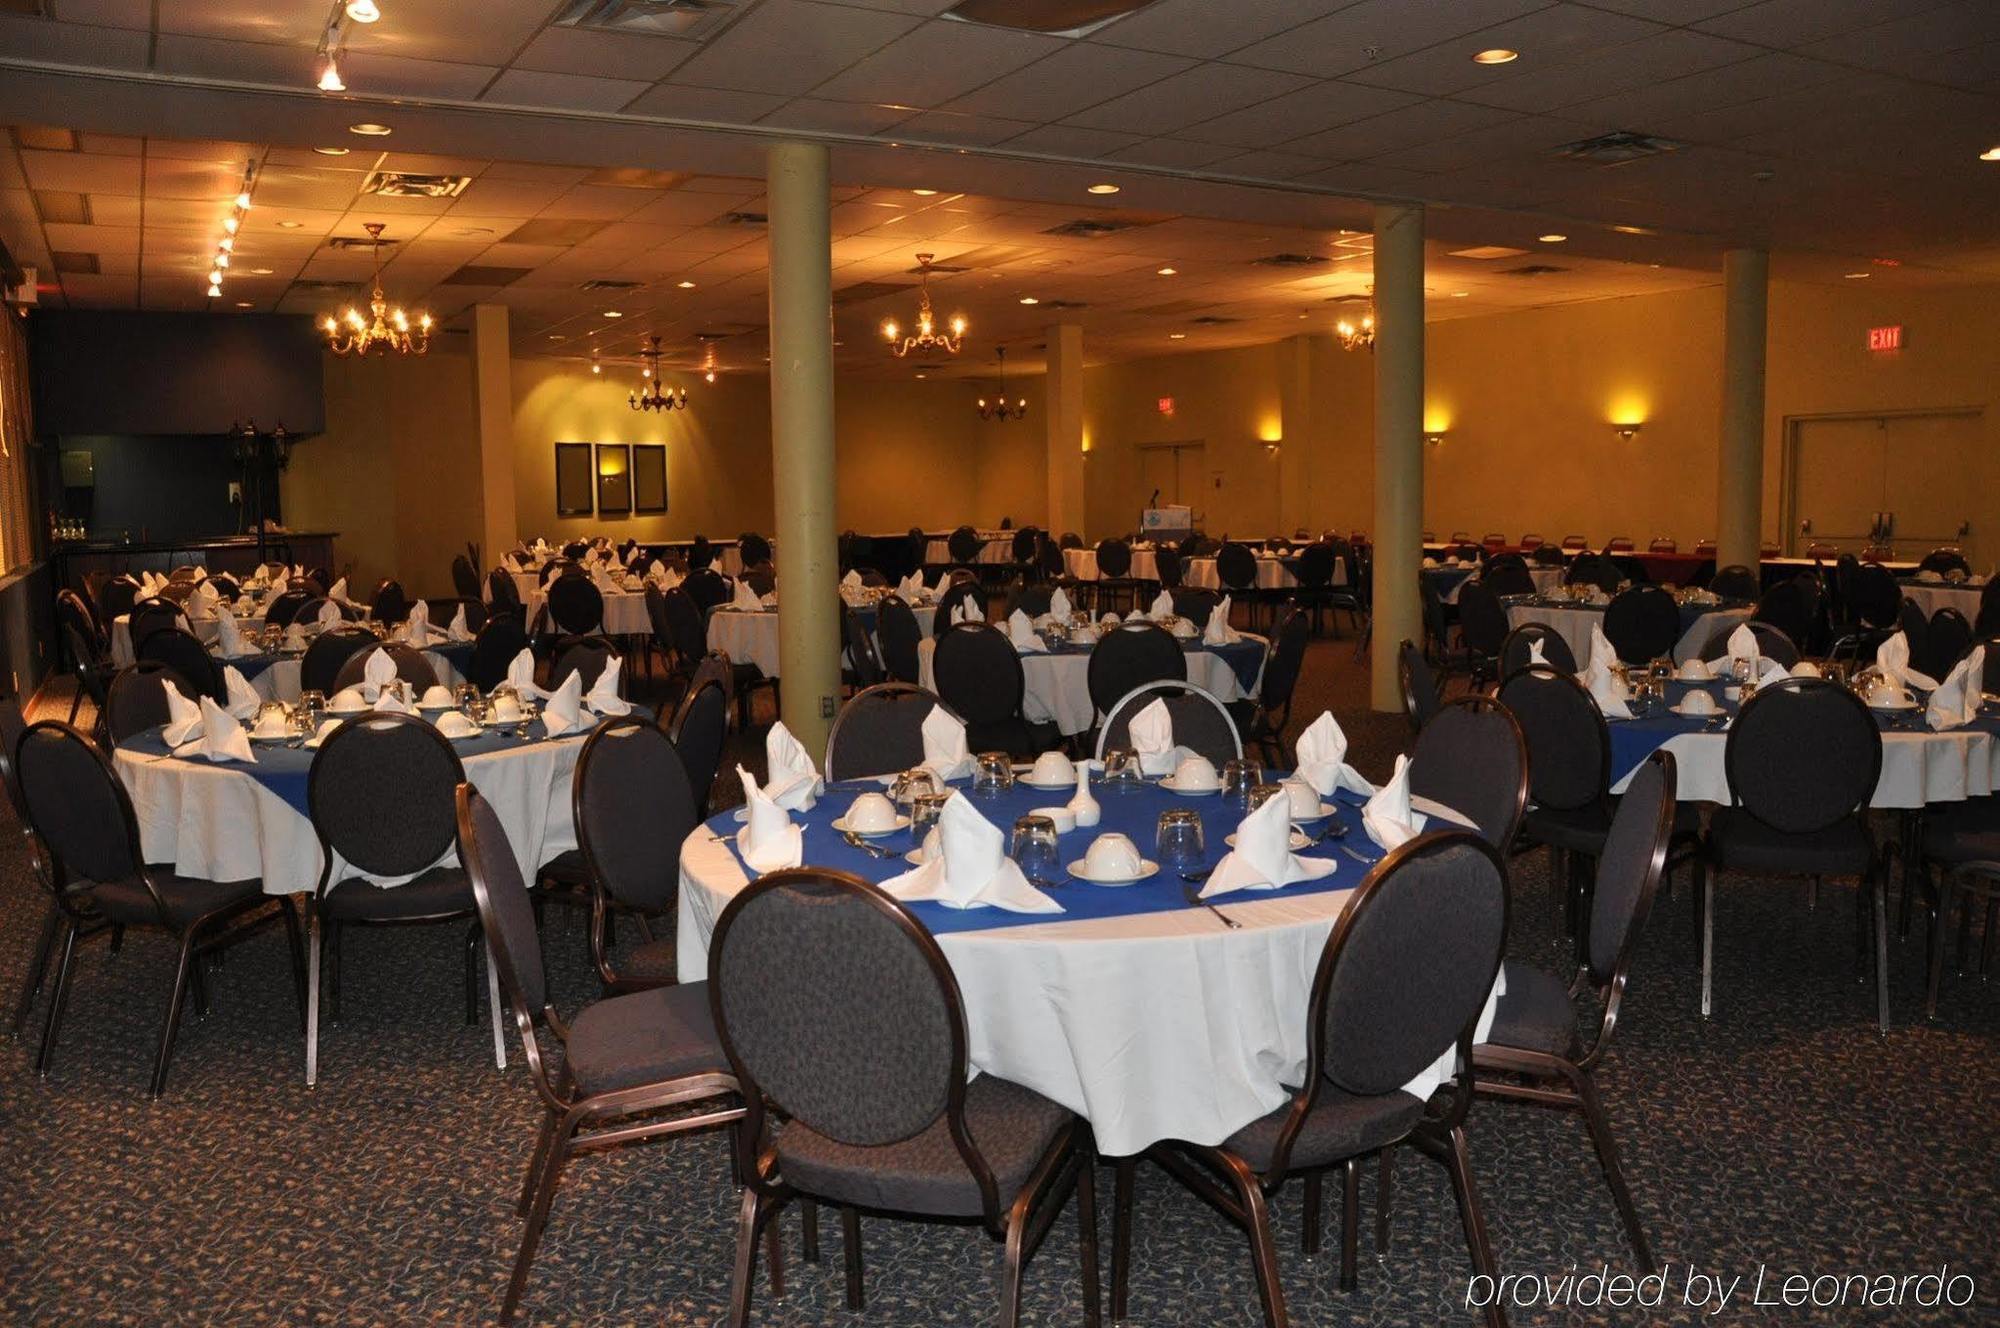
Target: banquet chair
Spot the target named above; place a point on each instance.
(1620, 544)
(899, 636)
(1915, 625)
(1026, 548)
(1802, 760)
(1262, 722)
(1404, 975)
(1031, 598)
(1482, 630)
(1988, 621)
(1663, 544)
(1944, 560)
(1517, 651)
(79, 809)
(1957, 859)
(1569, 777)
(1195, 604)
(1201, 722)
(1530, 542)
(319, 670)
(137, 699)
(1129, 655)
(379, 794)
(154, 615)
(762, 578)
(13, 724)
(1313, 569)
(1772, 643)
(1642, 623)
(498, 643)
(1507, 574)
(389, 604)
(226, 586)
(89, 661)
(1574, 543)
(1793, 606)
(700, 728)
(968, 593)
(501, 592)
(589, 656)
(753, 549)
(189, 659)
(1949, 637)
(863, 661)
(637, 1055)
(1734, 582)
(1461, 537)
(179, 592)
(708, 588)
(1871, 603)
(877, 1108)
(980, 677)
(634, 806)
(1421, 694)
(1236, 573)
(411, 667)
(576, 605)
(1115, 583)
(1535, 1051)
(115, 599)
(1472, 758)
(1167, 569)
(465, 576)
(964, 545)
(880, 731)
(281, 609)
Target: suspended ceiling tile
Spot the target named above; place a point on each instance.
(673, 101)
(533, 87)
(836, 117)
(791, 47)
(1341, 42)
(387, 75)
(185, 56)
(1071, 79)
(72, 43)
(1188, 98)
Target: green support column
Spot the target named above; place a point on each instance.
(1399, 441)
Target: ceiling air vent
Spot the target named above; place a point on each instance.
(690, 20)
(1065, 304)
(1089, 228)
(406, 184)
(321, 284)
(1290, 260)
(1617, 148)
(475, 274)
(341, 243)
(744, 219)
(1213, 320)
(75, 263)
(1531, 270)
(609, 284)
(1058, 18)
(862, 291)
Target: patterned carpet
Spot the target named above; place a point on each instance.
(1784, 1134)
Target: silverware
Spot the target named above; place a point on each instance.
(1364, 861)
(873, 851)
(1193, 896)
(1335, 829)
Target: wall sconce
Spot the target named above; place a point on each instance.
(1434, 436)
(1271, 445)
(1626, 431)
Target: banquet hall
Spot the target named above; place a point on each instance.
(1182, 663)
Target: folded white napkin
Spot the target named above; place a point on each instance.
(1022, 633)
(339, 592)
(1603, 655)
(1163, 606)
(1535, 653)
(1956, 700)
(458, 631)
(1387, 818)
(511, 563)
(972, 869)
(795, 781)
(202, 604)
(521, 675)
(243, 699)
(1742, 646)
(1432, 562)
(217, 737)
(1600, 680)
(603, 696)
(744, 598)
(1892, 657)
(389, 702)
(563, 711)
(183, 717)
(1059, 607)
(1151, 734)
(330, 616)
(418, 631)
(377, 670)
(454, 724)
(1263, 857)
(279, 584)
(944, 745)
(541, 545)
(605, 582)
(963, 611)
(1219, 632)
(1111, 619)
(229, 640)
(1930, 576)
(768, 840)
(1773, 672)
(200, 574)
(1323, 759)
(852, 581)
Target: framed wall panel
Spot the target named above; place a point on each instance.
(649, 478)
(576, 486)
(614, 479)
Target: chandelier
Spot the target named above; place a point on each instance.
(387, 329)
(1357, 336)
(654, 397)
(998, 408)
(926, 337)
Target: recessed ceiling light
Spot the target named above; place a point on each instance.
(289, 225)
(923, 375)
(1497, 55)
(1991, 154)
(363, 11)
(260, 271)
(614, 313)
(245, 304)
(1176, 336)
(1460, 294)
(556, 336)
(369, 129)
(924, 193)
(1632, 230)
(473, 230)
(1104, 189)
(1169, 271)
(1859, 276)
(1552, 238)
(685, 285)
(1029, 299)
(332, 152)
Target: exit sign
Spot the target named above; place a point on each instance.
(1886, 338)
(1166, 405)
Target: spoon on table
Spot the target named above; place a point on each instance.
(872, 850)
(1193, 896)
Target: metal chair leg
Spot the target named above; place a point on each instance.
(1263, 1253)
(1350, 1221)
(809, 1230)
(1460, 1165)
(1607, 1156)
(1309, 1227)
(1936, 964)
(1121, 1234)
(1384, 1191)
(58, 998)
(173, 1023)
(538, 1216)
(1086, 1234)
(473, 937)
(850, 1249)
(1877, 885)
(38, 967)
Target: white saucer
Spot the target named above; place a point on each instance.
(495, 722)
(1299, 840)
(1326, 809)
(1171, 787)
(1146, 869)
(437, 709)
(915, 857)
(1037, 784)
(277, 737)
(1685, 713)
(1697, 682)
(1891, 707)
(840, 823)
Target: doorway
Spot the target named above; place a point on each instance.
(1912, 481)
(1175, 472)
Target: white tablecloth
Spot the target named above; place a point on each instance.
(1272, 574)
(1155, 1026)
(624, 611)
(1574, 625)
(280, 682)
(1917, 767)
(752, 638)
(1545, 579)
(1058, 685)
(204, 629)
(997, 548)
(1081, 564)
(1931, 598)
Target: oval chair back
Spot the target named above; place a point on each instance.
(1471, 758)
(1802, 755)
(137, 698)
(899, 635)
(1419, 686)
(1569, 743)
(189, 659)
(320, 669)
(1517, 651)
(634, 806)
(1642, 624)
(1129, 656)
(978, 674)
(380, 795)
(880, 731)
(1201, 723)
(499, 642)
(700, 730)
(588, 656)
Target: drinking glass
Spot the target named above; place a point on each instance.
(1035, 849)
(312, 709)
(925, 809)
(1745, 692)
(911, 785)
(1263, 793)
(1179, 840)
(1238, 778)
(994, 774)
(1121, 770)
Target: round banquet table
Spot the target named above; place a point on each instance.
(624, 610)
(1142, 1013)
(1573, 623)
(1932, 596)
(752, 638)
(1272, 574)
(996, 546)
(276, 677)
(1918, 765)
(203, 628)
(1081, 565)
(1058, 680)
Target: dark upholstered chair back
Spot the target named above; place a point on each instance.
(1508, 575)
(1201, 724)
(1196, 604)
(1517, 651)
(189, 658)
(137, 698)
(633, 807)
(879, 731)
(700, 728)
(862, 656)
(1420, 690)
(506, 909)
(1129, 656)
(1471, 758)
(390, 604)
(1166, 565)
(899, 635)
(1481, 619)
(1734, 582)
(501, 590)
(320, 668)
(154, 615)
(576, 605)
(685, 622)
(76, 804)
(464, 576)
(380, 794)
(1236, 566)
(707, 588)
(280, 611)
(1408, 968)
(1642, 624)
(978, 674)
(1873, 596)
(1313, 568)
(964, 545)
(496, 646)
(833, 1003)
(1950, 636)
(1634, 857)
(589, 657)
(1114, 559)
(753, 548)
(411, 666)
(1802, 754)
(1947, 559)
(116, 597)
(1286, 661)
(1569, 745)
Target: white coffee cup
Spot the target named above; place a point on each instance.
(1698, 703)
(506, 707)
(436, 697)
(1304, 799)
(1805, 668)
(1064, 818)
(1053, 768)
(1884, 692)
(1183, 629)
(1695, 670)
(1112, 857)
(1195, 774)
(870, 813)
(272, 724)
(347, 701)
